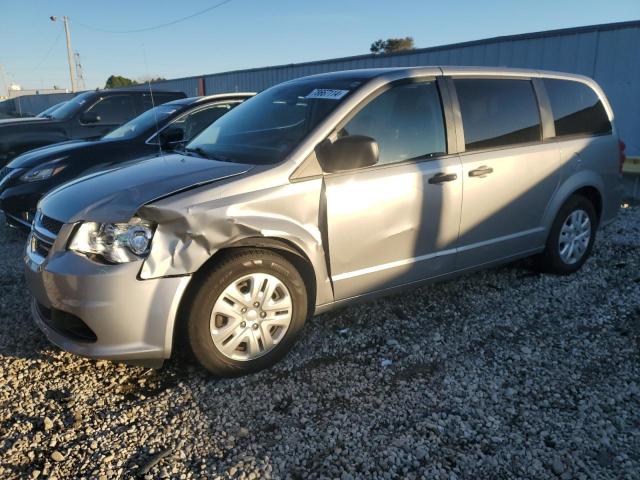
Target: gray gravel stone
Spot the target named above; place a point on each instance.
(505, 373)
(557, 466)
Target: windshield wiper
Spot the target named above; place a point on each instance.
(221, 158)
(198, 151)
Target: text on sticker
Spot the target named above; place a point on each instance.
(327, 93)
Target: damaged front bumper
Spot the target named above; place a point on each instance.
(103, 311)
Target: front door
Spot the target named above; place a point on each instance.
(396, 222)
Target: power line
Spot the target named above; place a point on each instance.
(48, 51)
(155, 27)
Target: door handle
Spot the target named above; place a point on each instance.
(481, 171)
(443, 177)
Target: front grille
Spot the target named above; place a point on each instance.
(43, 234)
(50, 224)
(39, 245)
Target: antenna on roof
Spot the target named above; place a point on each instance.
(153, 103)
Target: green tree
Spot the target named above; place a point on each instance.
(392, 45)
(149, 79)
(378, 46)
(117, 81)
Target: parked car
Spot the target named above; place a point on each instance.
(88, 115)
(319, 192)
(46, 113)
(30, 175)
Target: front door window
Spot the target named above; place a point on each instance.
(406, 121)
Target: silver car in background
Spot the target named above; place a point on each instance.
(318, 192)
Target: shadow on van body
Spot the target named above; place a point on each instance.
(503, 216)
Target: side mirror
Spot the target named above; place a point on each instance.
(90, 117)
(347, 153)
(171, 136)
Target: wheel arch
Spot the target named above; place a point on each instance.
(281, 246)
(592, 194)
(587, 184)
(287, 249)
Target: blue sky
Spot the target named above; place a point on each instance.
(254, 33)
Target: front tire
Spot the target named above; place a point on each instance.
(571, 237)
(247, 313)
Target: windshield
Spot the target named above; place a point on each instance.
(266, 128)
(47, 113)
(71, 107)
(149, 119)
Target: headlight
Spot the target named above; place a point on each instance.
(41, 173)
(115, 242)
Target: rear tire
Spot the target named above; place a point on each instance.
(246, 313)
(571, 237)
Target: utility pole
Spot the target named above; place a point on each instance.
(79, 75)
(72, 74)
(4, 79)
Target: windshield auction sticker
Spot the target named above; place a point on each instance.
(327, 93)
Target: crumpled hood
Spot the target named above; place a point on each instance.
(116, 195)
(36, 157)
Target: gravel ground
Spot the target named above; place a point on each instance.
(503, 373)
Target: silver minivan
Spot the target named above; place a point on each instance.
(316, 193)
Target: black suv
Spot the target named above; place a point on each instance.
(31, 175)
(86, 116)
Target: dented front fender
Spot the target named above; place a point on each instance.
(193, 227)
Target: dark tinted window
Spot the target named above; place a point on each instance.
(158, 99)
(576, 108)
(498, 112)
(115, 109)
(406, 121)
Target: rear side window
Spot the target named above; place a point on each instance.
(576, 108)
(406, 121)
(195, 122)
(497, 112)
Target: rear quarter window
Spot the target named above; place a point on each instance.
(497, 112)
(576, 108)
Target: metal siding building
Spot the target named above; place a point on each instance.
(32, 104)
(188, 85)
(609, 53)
